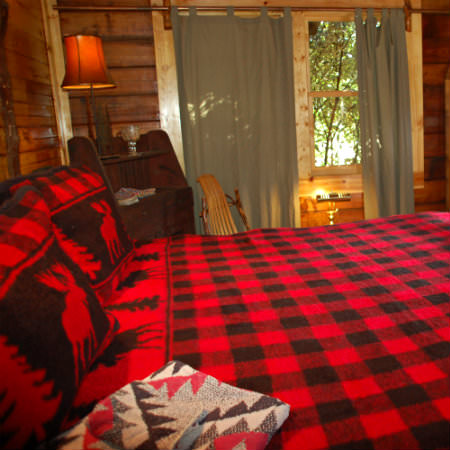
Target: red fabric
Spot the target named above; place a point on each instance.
(347, 324)
(52, 326)
(87, 224)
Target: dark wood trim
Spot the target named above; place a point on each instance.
(7, 101)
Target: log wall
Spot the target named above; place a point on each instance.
(128, 45)
(27, 63)
(436, 60)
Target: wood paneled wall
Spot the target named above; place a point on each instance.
(27, 62)
(128, 45)
(436, 60)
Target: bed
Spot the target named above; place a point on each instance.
(348, 324)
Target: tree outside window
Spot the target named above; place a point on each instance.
(334, 93)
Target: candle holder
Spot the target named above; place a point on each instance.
(131, 134)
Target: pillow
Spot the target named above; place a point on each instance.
(52, 326)
(180, 408)
(87, 224)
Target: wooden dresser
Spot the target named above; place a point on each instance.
(170, 210)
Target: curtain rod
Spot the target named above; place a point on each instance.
(236, 8)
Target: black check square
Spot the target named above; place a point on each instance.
(414, 327)
(247, 353)
(360, 277)
(331, 297)
(302, 346)
(393, 307)
(362, 338)
(432, 435)
(439, 350)
(408, 395)
(274, 288)
(232, 309)
(400, 271)
(338, 410)
(228, 292)
(375, 290)
(294, 322)
(383, 364)
(283, 302)
(320, 375)
(266, 275)
(318, 283)
(345, 315)
(438, 299)
(417, 283)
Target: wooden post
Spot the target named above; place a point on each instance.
(7, 102)
(447, 134)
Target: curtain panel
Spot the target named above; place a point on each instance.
(235, 82)
(385, 117)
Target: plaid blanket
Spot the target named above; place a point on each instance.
(348, 324)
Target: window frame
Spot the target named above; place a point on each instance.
(346, 178)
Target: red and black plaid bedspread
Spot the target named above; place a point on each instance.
(348, 324)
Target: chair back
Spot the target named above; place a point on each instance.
(216, 215)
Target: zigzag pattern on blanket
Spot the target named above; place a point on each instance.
(179, 408)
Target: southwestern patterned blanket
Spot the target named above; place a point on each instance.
(348, 324)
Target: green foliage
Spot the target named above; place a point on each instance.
(333, 67)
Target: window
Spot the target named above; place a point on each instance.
(329, 157)
(334, 93)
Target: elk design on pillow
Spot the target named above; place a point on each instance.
(59, 277)
(108, 229)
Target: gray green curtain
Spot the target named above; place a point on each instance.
(235, 82)
(384, 114)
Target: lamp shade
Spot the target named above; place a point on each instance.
(85, 64)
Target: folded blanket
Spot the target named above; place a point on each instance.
(178, 408)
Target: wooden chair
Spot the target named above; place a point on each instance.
(216, 215)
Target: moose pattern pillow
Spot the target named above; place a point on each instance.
(76, 197)
(52, 326)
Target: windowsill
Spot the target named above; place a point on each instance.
(340, 182)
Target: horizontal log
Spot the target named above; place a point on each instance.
(31, 146)
(142, 107)
(431, 207)
(33, 109)
(25, 15)
(28, 168)
(23, 88)
(433, 192)
(433, 98)
(128, 82)
(32, 139)
(433, 122)
(436, 26)
(434, 144)
(129, 54)
(436, 52)
(144, 126)
(35, 121)
(106, 23)
(26, 68)
(25, 42)
(434, 168)
(38, 156)
(434, 74)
